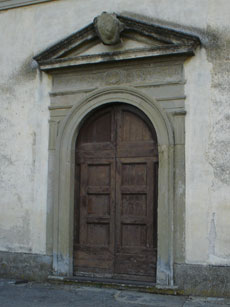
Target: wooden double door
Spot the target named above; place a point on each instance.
(115, 233)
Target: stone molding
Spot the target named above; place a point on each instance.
(10, 4)
(64, 177)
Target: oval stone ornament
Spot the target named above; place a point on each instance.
(108, 28)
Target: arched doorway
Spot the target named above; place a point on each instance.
(116, 176)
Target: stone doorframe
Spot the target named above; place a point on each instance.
(64, 178)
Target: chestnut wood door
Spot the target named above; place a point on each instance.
(116, 195)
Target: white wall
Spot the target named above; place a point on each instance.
(24, 117)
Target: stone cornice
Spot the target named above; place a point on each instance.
(10, 4)
(162, 41)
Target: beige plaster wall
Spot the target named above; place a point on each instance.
(24, 117)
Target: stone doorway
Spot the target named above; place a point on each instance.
(145, 70)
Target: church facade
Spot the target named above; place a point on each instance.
(115, 143)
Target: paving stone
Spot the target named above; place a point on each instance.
(51, 295)
(207, 302)
(145, 299)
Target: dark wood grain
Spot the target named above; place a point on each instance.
(116, 195)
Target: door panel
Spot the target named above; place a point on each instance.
(116, 195)
(134, 217)
(95, 250)
(94, 129)
(134, 136)
(97, 136)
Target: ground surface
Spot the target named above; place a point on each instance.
(44, 295)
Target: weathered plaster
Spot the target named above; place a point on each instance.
(23, 143)
(219, 134)
(197, 89)
(207, 94)
(23, 167)
(218, 148)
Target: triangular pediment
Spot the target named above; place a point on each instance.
(137, 39)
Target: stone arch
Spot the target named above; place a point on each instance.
(64, 178)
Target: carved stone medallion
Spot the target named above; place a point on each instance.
(108, 28)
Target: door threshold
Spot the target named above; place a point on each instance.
(116, 284)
